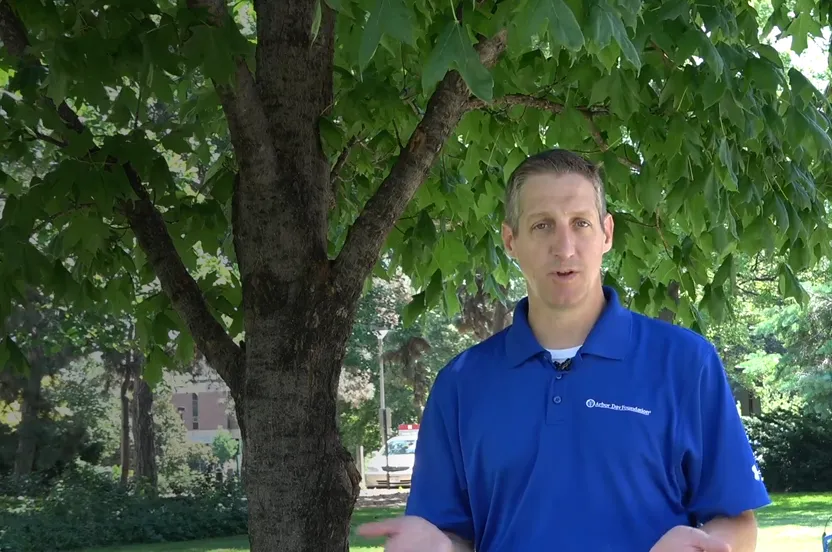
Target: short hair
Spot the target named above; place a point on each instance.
(556, 162)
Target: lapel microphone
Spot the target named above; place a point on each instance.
(563, 366)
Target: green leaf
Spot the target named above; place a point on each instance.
(673, 9)
(724, 271)
(161, 181)
(434, 290)
(648, 189)
(712, 91)
(390, 17)
(451, 253)
(58, 85)
(413, 310)
(801, 86)
(514, 159)
(563, 28)
(800, 28)
(454, 50)
(154, 366)
(765, 74)
(781, 214)
(316, 21)
(184, 348)
(709, 52)
(713, 199)
(452, 306)
(209, 48)
(604, 24)
(790, 286)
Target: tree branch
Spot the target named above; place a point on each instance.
(38, 135)
(596, 135)
(446, 107)
(335, 173)
(12, 31)
(545, 104)
(184, 293)
(147, 223)
(247, 123)
(532, 101)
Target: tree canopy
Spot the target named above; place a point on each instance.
(709, 144)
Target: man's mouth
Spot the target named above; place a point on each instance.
(564, 273)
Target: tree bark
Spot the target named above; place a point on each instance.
(125, 427)
(27, 433)
(143, 434)
(294, 461)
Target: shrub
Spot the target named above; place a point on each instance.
(87, 507)
(794, 450)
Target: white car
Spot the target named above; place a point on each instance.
(402, 453)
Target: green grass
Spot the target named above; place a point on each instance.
(794, 523)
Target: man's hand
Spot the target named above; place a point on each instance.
(408, 534)
(689, 539)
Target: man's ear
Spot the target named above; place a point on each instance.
(609, 226)
(508, 239)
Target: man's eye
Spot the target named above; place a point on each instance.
(583, 223)
(541, 226)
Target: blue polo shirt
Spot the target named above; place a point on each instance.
(640, 435)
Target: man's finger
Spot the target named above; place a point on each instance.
(710, 543)
(382, 528)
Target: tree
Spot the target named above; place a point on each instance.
(308, 144)
(225, 447)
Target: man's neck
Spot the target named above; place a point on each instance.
(562, 329)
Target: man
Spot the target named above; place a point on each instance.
(583, 426)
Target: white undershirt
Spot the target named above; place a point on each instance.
(559, 355)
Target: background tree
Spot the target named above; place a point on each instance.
(225, 447)
(297, 141)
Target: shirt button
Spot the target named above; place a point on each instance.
(557, 399)
(558, 376)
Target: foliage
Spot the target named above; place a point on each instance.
(87, 508)
(794, 449)
(224, 447)
(78, 393)
(692, 151)
(75, 420)
(182, 464)
(385, 303)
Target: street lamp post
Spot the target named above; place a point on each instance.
(384, 416)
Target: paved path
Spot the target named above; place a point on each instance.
(381, 498)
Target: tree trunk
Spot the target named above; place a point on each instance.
(301, 482)
(143, 434)
(125, 428)
(27, 433)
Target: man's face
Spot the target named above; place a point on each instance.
(560, 241)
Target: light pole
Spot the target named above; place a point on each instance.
(384, 415)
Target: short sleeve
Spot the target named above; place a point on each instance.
(438, 490)
(721, 472)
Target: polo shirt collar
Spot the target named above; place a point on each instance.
(609, 337)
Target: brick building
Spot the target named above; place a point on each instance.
(205, 406)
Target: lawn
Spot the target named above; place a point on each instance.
(794, 523)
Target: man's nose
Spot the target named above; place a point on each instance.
(562, 243)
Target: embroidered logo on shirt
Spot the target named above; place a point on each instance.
(590, 403)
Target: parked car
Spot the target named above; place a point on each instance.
(401, 450)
